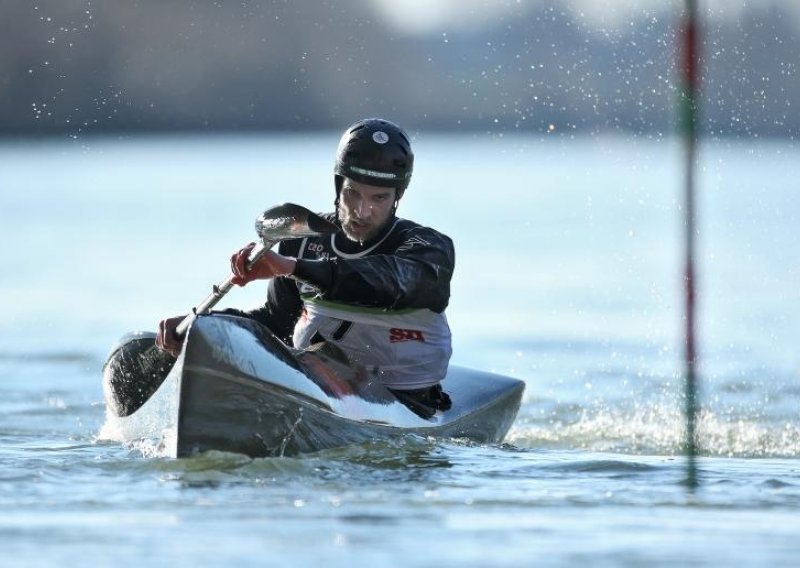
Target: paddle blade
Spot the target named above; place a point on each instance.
(133, 372)
(291, 221)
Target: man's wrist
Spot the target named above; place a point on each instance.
(290, 265)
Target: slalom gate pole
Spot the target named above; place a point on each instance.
(688, 105)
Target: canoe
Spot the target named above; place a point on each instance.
(235, 387)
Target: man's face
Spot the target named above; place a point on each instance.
(364, 209)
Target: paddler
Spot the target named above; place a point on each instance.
(377, 289)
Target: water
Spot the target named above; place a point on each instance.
(568, 276)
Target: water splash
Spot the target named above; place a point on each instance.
(659, 429)
(162, 446)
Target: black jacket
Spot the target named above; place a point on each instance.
(406, 266)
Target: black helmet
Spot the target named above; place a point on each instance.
(376, 152)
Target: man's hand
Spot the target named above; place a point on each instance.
(166, 340)
(270, 265)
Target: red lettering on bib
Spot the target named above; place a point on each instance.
(396, 335)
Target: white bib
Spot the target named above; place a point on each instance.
(408, 349)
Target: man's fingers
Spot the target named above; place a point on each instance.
(239, 265)
(166, 339)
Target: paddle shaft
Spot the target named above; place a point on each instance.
(219, 291)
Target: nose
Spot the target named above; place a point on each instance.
(363, 208)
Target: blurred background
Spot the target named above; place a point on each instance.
(76, 67)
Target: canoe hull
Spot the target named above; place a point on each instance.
(236, 388)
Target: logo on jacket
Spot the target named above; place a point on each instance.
(413, 242)
(397, 335)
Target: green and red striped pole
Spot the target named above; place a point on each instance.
(689, 84)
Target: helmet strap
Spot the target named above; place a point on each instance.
(398, 193)
(338, 182)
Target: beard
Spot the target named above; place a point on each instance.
(359, 230)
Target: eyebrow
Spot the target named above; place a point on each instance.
(385, 193)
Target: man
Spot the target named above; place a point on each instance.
(377, 288)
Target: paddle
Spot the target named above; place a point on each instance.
(136, 367)
(287, 221)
